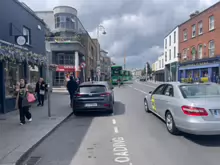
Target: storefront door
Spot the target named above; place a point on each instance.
(59, 79)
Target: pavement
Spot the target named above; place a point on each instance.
(17, 141)
(130, 136)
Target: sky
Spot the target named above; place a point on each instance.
(135, 28)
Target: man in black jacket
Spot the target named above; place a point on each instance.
(71, 87)
(40, 90)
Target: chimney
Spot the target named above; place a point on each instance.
(194, 14)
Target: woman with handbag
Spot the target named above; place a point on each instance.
(22, 102)
(41, 89)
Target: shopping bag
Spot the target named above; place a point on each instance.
(31, 98)
(42, 92)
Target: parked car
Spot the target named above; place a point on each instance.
(191, 108)
(94, 96)
(143, 78)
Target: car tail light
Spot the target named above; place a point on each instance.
(105, 94)
(194, 111)
(78, 95)
(107, 105)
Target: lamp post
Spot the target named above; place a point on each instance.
(100, 28)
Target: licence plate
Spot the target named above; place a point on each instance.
(91, 105)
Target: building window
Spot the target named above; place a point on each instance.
(174, 52)
(200, 51)
(170, 54)
(162, 63)
(170, 40)
(193, 53)
(174, 37)
(184, 53)
(27, 33)
(62, 21)
(193, 30)
(165, 43)
(184, 35)
(200, 28)
(211, 48)
(65, 59)
(165, 56)
(211, 22)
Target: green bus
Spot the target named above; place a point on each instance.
(116, 73)
(127, 75)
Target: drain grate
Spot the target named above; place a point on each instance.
(33, 160)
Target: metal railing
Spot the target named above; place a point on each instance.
(63, 39)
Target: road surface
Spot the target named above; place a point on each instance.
(130, 136)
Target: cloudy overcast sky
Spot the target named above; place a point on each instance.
(135, 28)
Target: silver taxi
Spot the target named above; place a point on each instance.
(190, 108)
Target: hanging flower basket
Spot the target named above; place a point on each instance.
(16, 55)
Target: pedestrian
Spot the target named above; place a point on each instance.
(72, 87)
(22, 102)
(41, 89)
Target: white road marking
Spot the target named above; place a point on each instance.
(140, 91)
(120, 151)
(146, 84)
(113, 121)
(116, 129)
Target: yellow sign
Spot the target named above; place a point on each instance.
(153, 103)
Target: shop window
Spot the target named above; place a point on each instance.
(13, 73)
(211, 48)
(200, 51)
(34, 74)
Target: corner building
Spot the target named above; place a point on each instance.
(199, 46)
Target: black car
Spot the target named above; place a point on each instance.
(94, 96)
(143, 79)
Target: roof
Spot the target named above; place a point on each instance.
(116, 66)
(218, 3)
(29, 10)
(171, 31)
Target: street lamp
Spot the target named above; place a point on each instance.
(100, 28)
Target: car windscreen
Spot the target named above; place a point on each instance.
(92, 89)
(200, 90)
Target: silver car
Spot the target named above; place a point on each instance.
(190, 108)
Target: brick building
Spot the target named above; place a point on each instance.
(199, 45)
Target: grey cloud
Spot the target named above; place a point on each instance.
(134, 27)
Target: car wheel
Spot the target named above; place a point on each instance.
(170, 124)
(146, 108)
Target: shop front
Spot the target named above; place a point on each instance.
(206, 70)
(160, 75)
(14, 65)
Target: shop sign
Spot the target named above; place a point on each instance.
(65, 68)
(201, 63)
